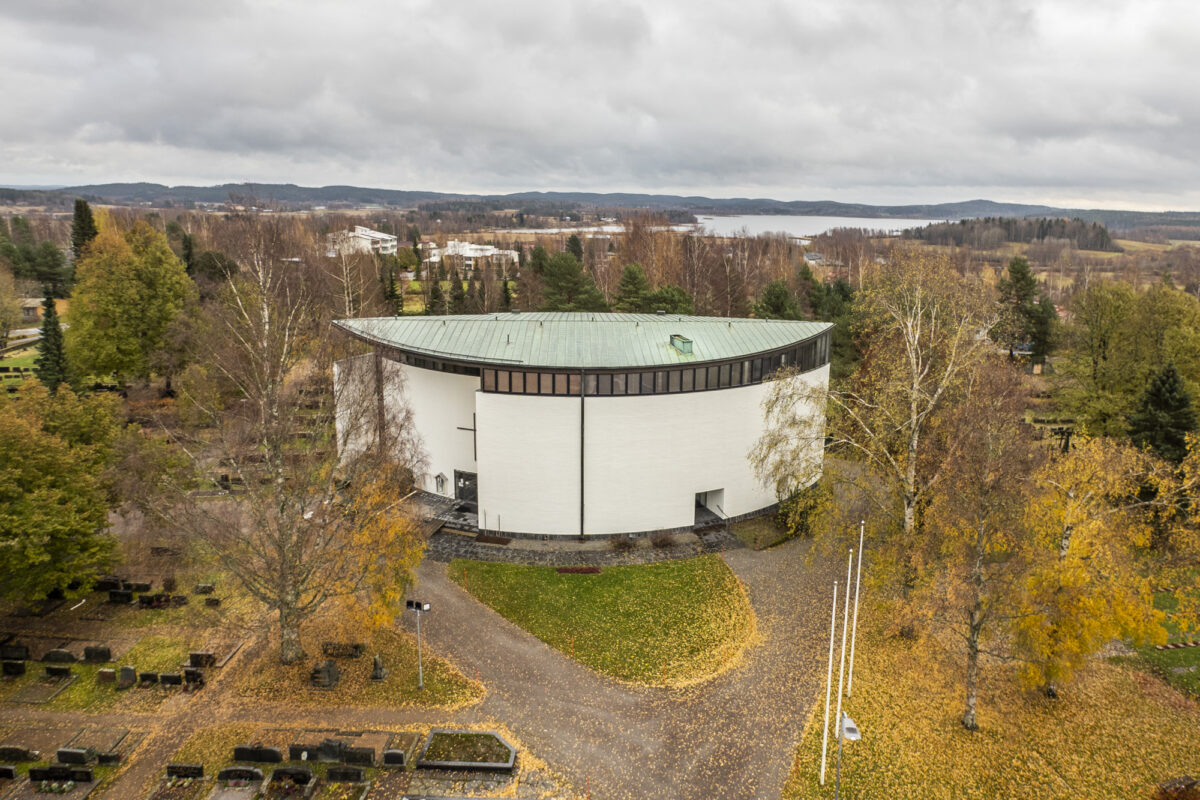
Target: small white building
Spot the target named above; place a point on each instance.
(585, 423)
(361, 240)
(468, 255)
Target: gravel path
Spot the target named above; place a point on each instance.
(732, 736)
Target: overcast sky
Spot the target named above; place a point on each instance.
(1074, 103)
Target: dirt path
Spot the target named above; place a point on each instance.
(731, 736)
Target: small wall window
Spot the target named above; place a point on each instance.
(724, 376)
(547, 383)
(647, 383)
(560, 383)
(712, 377)
(606, 384)
(673, 381)
(573, 385)
(689, 379)
(489, 380)
(701, 379)
(502, 381)
(633, 384)
(660, 382)
(618, 383)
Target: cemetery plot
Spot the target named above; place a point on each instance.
(303, 684)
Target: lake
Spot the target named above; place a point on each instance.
(802, 226)
(796, 226)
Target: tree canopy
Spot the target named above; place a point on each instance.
(53, 504)
(131, 287)
(568, 287)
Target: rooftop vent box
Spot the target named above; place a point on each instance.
(681, 343)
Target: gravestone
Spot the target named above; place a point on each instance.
(109, 759)
(120, 596)
(14, 753)
(301, 776)
(61, 772)
(108, 584)
(203, 588)
(8, 772)
(394, 758)
(179, 600)
(59, 656)
(359, 756)
(58, 671)
(212, 602)
(325, 675)
(193, 677)
(139, 586)
(14, 652)
(240, 774)
(171, 679)
(201, 659)
(97, 654)
(75, 755)
(343, 649)
(345, 774)
(185, 770)
(258, 754)
(106, 676)
(147, 678)
(12, 669)
(126, 677)
(378, 673)
(332, 750)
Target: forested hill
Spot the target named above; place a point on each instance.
(293, 196)
(989, 232)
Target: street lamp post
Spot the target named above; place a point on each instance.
(419, 607)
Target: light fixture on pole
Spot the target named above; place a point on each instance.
(828, 683)
(845, 627)
(420, 608)
(854, 628)
(849, 731)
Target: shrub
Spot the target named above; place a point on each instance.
(622, 544)
(662, 540)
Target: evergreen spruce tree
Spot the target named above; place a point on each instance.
(458, 297)
(569, 288)
(83, 227)
(575, 247)
(506, 296)
(632, 290)
(437, 299)
(187, 247)
(777, 302)
(1165, 416)
(51, 364)
(474, 305)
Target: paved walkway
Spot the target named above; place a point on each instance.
(732, 736)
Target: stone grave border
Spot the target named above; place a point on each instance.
(469, 766)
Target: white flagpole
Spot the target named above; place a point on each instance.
(854, 629)
(845, 625)
(828, 683)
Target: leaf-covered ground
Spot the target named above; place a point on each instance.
(1114, 733)
(667, 624)
(445, 687)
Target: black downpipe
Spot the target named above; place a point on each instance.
(582, 394)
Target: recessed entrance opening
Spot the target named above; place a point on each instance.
(709, 507)
(466, 490)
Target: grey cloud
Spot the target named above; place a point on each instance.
(867, 100)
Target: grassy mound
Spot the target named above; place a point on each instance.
(669, 624)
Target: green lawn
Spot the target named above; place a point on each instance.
(672, 623)
(1113, 733)
(1180, 668)
(759, 533)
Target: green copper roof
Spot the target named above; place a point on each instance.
(580, 340)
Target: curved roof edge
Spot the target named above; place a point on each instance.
(582, 340)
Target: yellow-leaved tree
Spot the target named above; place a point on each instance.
(1087, 583)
